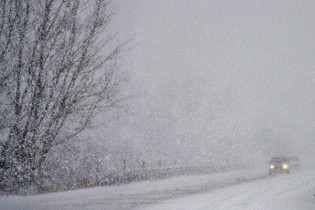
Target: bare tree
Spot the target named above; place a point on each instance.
(57, 70)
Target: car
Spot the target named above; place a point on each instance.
(278, 165)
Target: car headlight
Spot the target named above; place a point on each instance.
(272, 166)
(285, 166)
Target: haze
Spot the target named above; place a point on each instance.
(228, 82)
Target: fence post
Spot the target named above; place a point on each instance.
(125, 166)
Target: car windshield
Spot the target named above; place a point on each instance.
(278, 160)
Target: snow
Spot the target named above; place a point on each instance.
(229, 190)
(295, 191)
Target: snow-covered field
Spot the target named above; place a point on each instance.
(229, 190)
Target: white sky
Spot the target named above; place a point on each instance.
(236, 67)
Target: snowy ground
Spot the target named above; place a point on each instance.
(295, 191)
(229, 190)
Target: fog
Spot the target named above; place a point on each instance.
(225, 82)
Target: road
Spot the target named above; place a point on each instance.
(250, 189)
(295, 191)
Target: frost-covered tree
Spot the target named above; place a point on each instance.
(57, 70)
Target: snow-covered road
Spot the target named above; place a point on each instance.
(294, 191)
(229, 190)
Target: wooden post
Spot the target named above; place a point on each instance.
(125, 166)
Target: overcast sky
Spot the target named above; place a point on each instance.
(243, 70)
